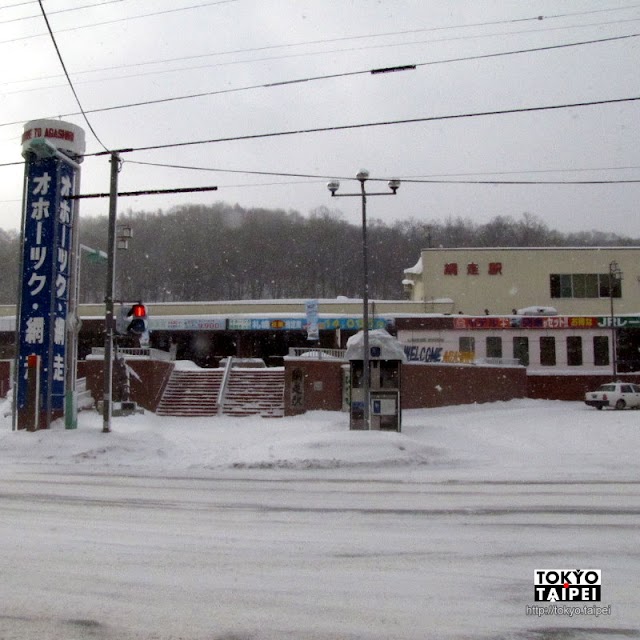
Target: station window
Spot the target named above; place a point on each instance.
(494, 347)
(606, 284)
(467, 345)
(583, 285)
(548, 351)
(574, 351)
(600, 350)
(521, 350)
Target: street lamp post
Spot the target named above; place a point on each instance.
(333, 186)
(615, 276)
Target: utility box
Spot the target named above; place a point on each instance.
(386, 356)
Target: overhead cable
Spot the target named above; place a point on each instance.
(51, 13)
(345, 74)
(55, 44)
(106, 22)
(383, 123)
(434, 180)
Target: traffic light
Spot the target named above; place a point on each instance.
(137, 317)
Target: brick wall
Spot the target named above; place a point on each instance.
(146, 388)
(423, 386)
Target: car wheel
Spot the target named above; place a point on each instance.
(621, 404)
(599, 407)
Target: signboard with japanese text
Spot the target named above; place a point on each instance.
(354, 323)
(544, 322)
(187, 324)
(212, 323)
(265, 324)
(46, 259)
(300, 323)
(473, 269)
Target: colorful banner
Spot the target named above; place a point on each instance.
(545, 322)
(300, 324)
(187, 324)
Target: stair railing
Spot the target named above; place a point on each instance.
(223, 385)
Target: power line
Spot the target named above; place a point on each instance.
(55, 44)
(522, 182)
(18, 4)
(537, 18)
(217, 170)
(117, 20)
(345, 74)
(362, 126)
(384, 123)
(502, 173)
(51, 13)
(365, 125)
(404, 179)
(311, 42)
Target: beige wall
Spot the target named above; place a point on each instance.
(524, 279)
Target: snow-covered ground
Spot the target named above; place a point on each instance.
(261, 529)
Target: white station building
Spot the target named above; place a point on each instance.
(546, 308)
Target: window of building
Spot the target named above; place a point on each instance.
(604, 284)
(548, 351)
(467, 345)
(583, 285)
(600, 351)
(521, 350)
(494, 347)
(574, 351)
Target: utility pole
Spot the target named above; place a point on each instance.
(109, 294)
(615, 279)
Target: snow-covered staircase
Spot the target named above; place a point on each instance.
(255, 392)
(194, 392)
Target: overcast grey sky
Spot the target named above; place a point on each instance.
(131, 51)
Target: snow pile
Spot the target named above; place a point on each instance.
(525, 439)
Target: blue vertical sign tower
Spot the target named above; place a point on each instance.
(52, 151)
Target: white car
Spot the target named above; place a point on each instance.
(618, 395)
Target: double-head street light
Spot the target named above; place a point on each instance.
(333, 186)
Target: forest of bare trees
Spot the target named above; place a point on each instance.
(225, 252)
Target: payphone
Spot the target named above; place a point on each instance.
(386, 356)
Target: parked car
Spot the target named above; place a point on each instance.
(618, 395)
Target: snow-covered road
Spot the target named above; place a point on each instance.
(123, 535)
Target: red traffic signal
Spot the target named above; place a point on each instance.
(138, 311)
(138, 324)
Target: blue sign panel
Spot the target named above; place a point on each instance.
(354, 323)
(47, 257)
(300, 324)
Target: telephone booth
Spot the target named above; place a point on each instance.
(386, 356)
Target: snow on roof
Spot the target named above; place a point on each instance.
(417, 268)
(390, 348)
(538, 311)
